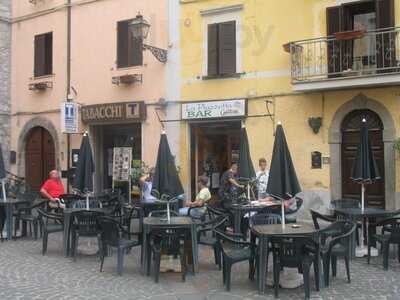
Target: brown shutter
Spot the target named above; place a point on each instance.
(212, 49)
(227, 47)
(135, 52)
(384, 13)
(333, 25)
(48, 53)
(386, 42)
(39, 60)
(122, 44)
(333, 17)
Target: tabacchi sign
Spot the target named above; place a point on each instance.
(214, 109)
(113, 112)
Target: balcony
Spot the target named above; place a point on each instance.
(346, 60)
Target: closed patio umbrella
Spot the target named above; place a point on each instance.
(283, 183)
(83, 180)
(166, 182)
(365, 171)
(2, 175)
(246, 168)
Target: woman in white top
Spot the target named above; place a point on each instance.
(146, 183)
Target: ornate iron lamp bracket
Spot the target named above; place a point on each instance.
(160, 54)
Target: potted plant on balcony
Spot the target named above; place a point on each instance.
(349, 35)
(292, 46)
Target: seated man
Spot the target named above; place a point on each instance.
(198, 208)
(52, 189)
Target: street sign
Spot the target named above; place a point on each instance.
(69, 117)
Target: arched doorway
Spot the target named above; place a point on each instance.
(350, 128)
(39, 156)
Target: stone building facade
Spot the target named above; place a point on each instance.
(5, 76)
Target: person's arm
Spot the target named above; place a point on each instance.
(234, 182)
(142, 179)
(267, 199)
(46, 194)
(197, 203)
(201, 199)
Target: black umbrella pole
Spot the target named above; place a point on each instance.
(3, 186)
(283, 221)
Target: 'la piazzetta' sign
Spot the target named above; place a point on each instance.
(214, 109)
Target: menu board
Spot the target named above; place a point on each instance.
(122, 163)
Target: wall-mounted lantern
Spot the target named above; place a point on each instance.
(140, 28)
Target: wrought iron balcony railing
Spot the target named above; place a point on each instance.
(345, 54)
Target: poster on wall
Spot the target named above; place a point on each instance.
(215, 180)
(122, 163)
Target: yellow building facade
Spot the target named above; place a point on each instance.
(295, 64)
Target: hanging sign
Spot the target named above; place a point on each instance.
(214, 109)
(69, 117)
(122, 163)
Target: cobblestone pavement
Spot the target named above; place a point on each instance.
(26, 274)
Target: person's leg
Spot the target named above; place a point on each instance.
(184, 211)
(196, 213)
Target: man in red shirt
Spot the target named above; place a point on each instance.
(52, 189)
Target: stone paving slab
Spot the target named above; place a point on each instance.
(26, 274)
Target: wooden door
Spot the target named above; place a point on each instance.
(375, 193)
(39, 157)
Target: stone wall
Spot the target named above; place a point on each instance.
(5, 77)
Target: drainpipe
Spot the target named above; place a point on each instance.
(68, 85)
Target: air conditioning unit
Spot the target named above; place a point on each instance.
(127, 79)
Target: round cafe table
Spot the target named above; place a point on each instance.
(357, 214)
(264, 232)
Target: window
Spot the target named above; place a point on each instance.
(43, 64)
(221, 49)
(129, 50)
(370, 50)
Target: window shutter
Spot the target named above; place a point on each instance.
(333, 17)
(122, 44)
(333, 25)
(386, 42)
(48, 53)
(212, 49)
(39, 59)
(135, 51)
(227, 47)
(384, 13)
